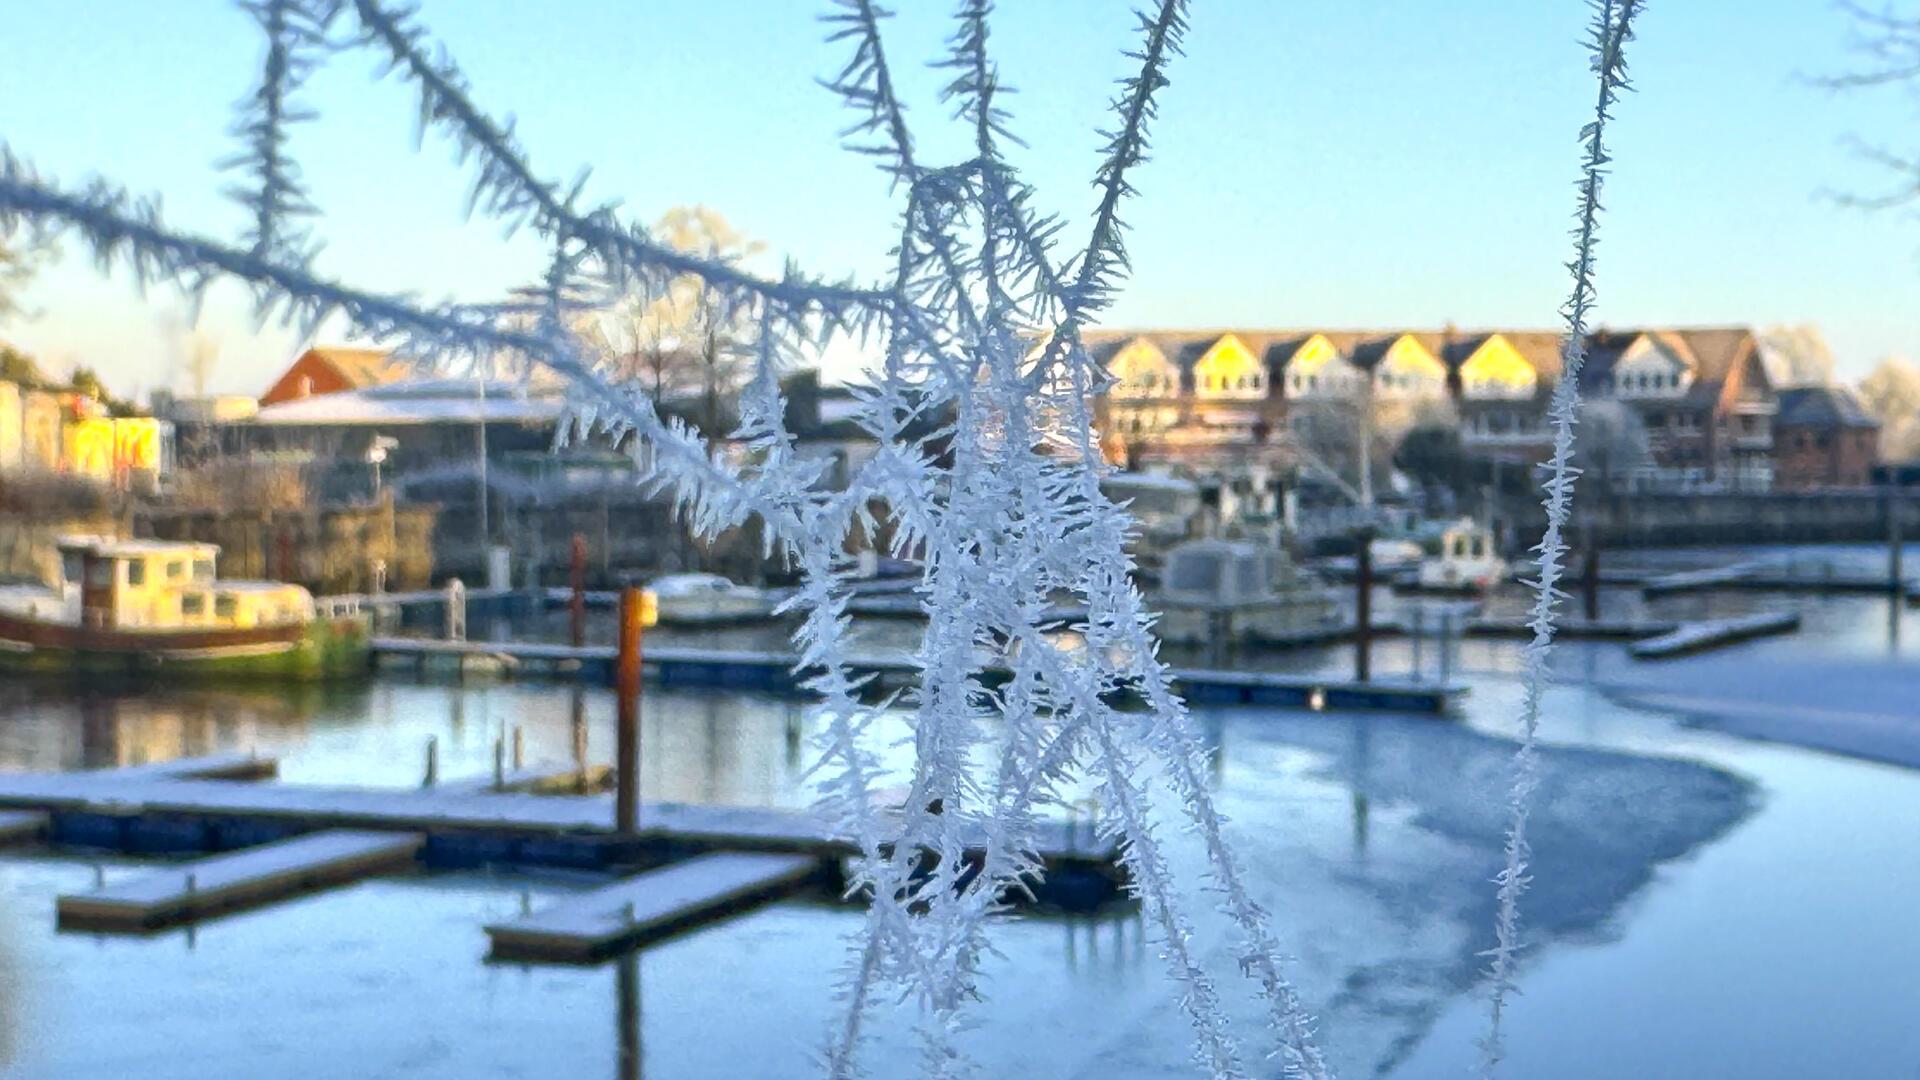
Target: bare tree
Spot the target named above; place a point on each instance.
(1891, 392)
(1796, 356)
(17, 267)
(1888, 40)
(684, 340)
(1613, 442)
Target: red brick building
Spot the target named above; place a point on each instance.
(1823, 439)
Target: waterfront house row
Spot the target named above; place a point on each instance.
(1702, 393)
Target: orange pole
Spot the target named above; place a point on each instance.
(627, 689)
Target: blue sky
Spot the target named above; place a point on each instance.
(1363, 162)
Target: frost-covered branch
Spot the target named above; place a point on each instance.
(296, 35)
(1612, 29)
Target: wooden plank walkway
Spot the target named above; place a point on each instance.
(21, 826)
(1710, 633)
(736, 669)
(548, 778)
(654, 904)
(239, 879)
(209, 767)
(1575, 627)
(503, 827)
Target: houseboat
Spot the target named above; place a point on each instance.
(1240, 592)
(148, 606)
(1464, 560)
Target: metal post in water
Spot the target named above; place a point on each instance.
(1363, 608)
(577, 598)
(519, 747)
(1446, 646)
(433, 762)
(627, 691)
(499, 763)
(580, 740)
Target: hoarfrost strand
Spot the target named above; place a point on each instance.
(1612, 29)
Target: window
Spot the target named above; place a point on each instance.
(72, 567)
(193, 605)
(304, 388)
(100, 574)
(176, 569)
(136, 571)
(225, 607)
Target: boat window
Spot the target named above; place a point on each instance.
(1479, 545)
(1196, 572)
(203, 571)
(136, 571)
(225, 607)
(193, 604)
(100, 574)
(72, 567)
(176, 569)
(1246, 577)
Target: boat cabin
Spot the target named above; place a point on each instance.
(1222, 573)
(155, 584)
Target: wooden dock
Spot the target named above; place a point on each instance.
(21, 826)
(1575, 628)
(553, 778)
(240, 879)
(209, 767)
(776, 673)
(1820, 577)
(470, 829)
(1710, 633)
(652, 905)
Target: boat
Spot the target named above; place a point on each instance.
(157, 607)
(1463, 560)
(1241, 592)
(709, 600)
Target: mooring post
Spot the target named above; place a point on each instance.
(456, 610)
(580, 740)
(1590, 569)
(627, 690)
(1446, 645)
(1417, 627)
(1895, 571)
(577, 598)
(500, 763)
(1363, 608)
(432, 776)
(519, 747)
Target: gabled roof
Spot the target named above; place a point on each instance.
(362, 367)
(1823, 407)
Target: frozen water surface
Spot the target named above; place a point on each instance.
(1706, 904)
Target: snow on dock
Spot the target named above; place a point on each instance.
(21, 826)
(1709, 633)
(239, 879)
(209, 767)
(649, 906)
(1694, 580)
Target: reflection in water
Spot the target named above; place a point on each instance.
(627, 1007)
